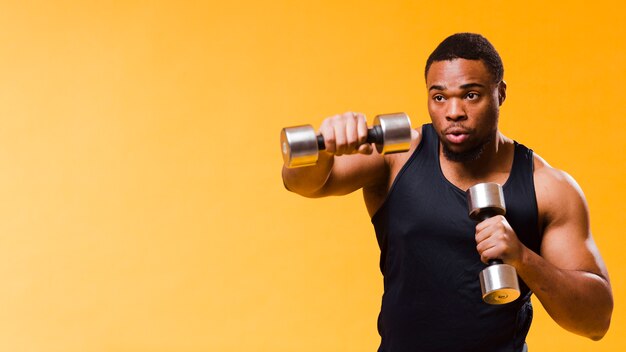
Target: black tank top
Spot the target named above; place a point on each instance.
(432, 299)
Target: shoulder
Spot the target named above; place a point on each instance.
(376, 194)
(558, 195)
(552, 180)
(397, 161)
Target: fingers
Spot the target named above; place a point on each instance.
(492, 249)
(328, 132)
(361, 129)
(495, 239)
(339, 127)
(363, 146)
(346, 134)
(483, 228)
(352, 134)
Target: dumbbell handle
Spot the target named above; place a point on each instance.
(482, 216)
(374, 135)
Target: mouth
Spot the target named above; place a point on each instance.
(456, 135)
(456, 138)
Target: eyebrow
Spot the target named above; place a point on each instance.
(472, 85)
(436, 87)
(463, 86)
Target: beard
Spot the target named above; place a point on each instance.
(465, 156)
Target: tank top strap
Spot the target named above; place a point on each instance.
(519, 192)
(424, 158)
(522, 164)
(430, 140)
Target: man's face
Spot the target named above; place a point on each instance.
(463, 103)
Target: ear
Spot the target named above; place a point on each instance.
(501, 92)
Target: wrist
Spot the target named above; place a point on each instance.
(522, 259)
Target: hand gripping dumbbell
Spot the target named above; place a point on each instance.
(300, 145)
(498, 281)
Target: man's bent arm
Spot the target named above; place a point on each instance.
(569, 278)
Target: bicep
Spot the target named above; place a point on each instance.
(353, 172)
(567, 240)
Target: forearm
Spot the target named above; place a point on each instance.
(578, 301)
(307, 181)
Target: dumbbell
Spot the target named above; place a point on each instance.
(498, 281)
(391, 133)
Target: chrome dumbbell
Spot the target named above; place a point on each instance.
(498, 281)
(391, 133)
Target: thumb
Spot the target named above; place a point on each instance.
(365, 149)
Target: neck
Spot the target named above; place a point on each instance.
(493, 164)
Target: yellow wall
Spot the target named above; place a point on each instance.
(141, 205)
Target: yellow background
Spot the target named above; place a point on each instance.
(141, 204)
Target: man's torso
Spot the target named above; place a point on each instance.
(429, 262)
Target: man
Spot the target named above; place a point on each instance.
(431, 252)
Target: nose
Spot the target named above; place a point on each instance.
(455, 110)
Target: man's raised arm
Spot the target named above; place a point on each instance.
(347, 164)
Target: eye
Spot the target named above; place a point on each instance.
(438, 98)
(471, 96)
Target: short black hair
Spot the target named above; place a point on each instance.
(469, 46)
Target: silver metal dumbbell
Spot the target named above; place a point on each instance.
(498, 281)
(300, 145)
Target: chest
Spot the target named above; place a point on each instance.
(466, 175)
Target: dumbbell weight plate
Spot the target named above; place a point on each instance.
(299, 146)
(485, 200)
(499, 284)
(396, 132)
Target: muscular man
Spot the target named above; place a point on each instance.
(431, 252)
